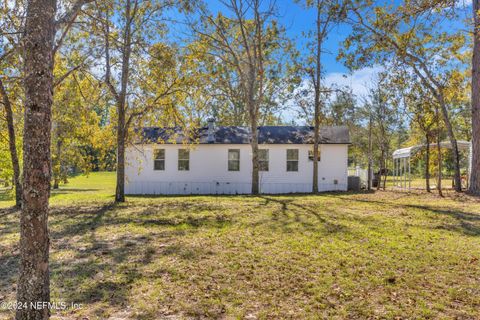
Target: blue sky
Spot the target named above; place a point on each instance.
(297, 20)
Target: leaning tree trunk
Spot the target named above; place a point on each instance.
(12, 144)
(427, 163)
(34, 283)
(475, 164)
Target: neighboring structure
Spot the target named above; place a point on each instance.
(402, 173)
(217, 160)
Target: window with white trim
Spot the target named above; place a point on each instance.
(183, 160)
(292, 160)
(159, 160)
(233, 159)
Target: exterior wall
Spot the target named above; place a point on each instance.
(209, 173)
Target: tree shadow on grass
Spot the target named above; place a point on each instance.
(101, 271)
(8, 211)
(88, 219)
(105, 266)
(9, 267)
(9, 254)
(6, 195)
(9, 222)
(301, 214)
(94, 265)
(468, 223)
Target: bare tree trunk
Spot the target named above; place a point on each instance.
(385, 173)
(56, 183)
(439, 173)
(34, 282)
(317, 83)
(316, 138)
(121, 106)
(382, 164)
(256, 89)
(439, 156)
(427, 163)
(385, 177)
(12, 145)
(254, 145)
(315, 158)
(120, 189)
(370, 156)
(474, 187)
(58, 174)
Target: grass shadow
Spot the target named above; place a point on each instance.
(85, 225)
(107, 266)
(6, 195)
(468, 223)
(290, 206)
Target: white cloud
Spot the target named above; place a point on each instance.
(359, 81)
(463, 3)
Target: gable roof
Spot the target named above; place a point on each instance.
(241, 135)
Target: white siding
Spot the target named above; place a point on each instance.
(209, 173)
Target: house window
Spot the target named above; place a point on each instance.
(310, 154)
(183, 159)
(263, 159)
(292, 159)
(159, 159)
(234, 160)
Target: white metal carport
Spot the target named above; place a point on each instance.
(401, 161)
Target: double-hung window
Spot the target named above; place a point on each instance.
(159, 160)
(183, 160)
(292, 159)
(233, 159)
(263, 159)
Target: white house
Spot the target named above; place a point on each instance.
(217, 160)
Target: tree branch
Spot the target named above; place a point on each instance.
(70, 15)
(65, 75)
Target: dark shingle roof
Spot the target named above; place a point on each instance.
(241, 135)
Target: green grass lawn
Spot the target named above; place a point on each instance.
(96, 187)
(382, 255)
